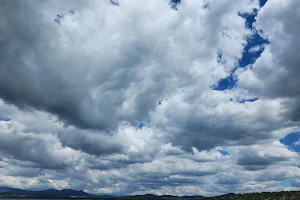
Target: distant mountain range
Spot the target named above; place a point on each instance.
(6, 192)
(164, 197)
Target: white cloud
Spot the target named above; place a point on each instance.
(297, 143)
(76, 92)
(256, 48)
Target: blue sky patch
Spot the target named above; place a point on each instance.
(159, 102)
(249, 17)
(219, 55)
(225, 153)
(176, 1)
(247, 100)
(262, 2)
(140, 126)
(5, 119)
(248, 56)
(174, 4)
(114, 3)
(58, 18)
(290, 141)
(206, 6)
(226, 83)
(286, 183)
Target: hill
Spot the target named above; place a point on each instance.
(294, 195)
(163, 197)
(6, 192)
(13, 192)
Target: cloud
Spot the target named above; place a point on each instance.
(40, 150)
(218, 122)
(297, 143)
(92, 143)
(256, 48)
(75, 93)
(4, 119)
(97, 92)
(103, 80)
(257, 157)
(274, 74)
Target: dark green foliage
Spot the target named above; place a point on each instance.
(260, 196)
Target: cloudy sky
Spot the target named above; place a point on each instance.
(190, 97)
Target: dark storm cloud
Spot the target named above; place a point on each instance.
(224, 126)
(34, 73)
(91, 143)
(30, 148)
(292, 108)
(24, 59)
(252, 159)
(257, 159)
(105, 164)
(25, 172)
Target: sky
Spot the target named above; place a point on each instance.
(190, 97)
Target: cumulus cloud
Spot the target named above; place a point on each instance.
(255, 49)
(257, 157)
(75, 91)
(274, 74)
(297, 143)
(112, 61)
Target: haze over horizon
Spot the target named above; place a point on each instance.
(190, 97)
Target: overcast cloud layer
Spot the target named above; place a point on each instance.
(72, 94)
